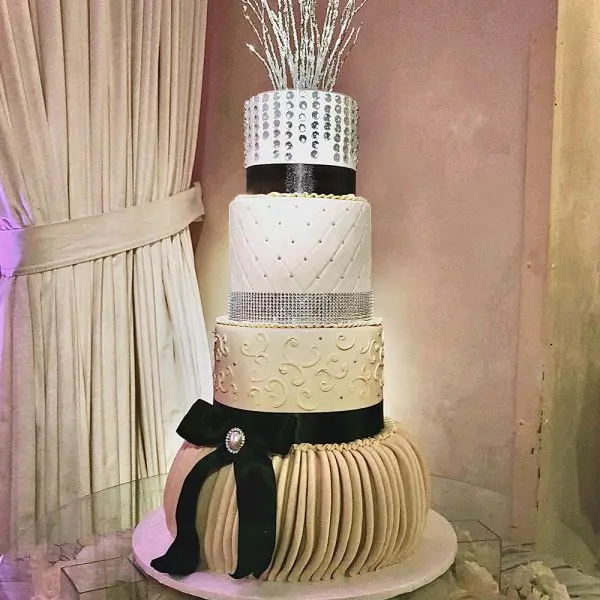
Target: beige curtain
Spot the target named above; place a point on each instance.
(102, 339)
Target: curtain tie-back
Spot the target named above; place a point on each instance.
(42, 248)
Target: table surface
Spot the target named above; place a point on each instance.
(121, 507)
(99, 526)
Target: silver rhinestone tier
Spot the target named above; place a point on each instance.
(290, 308)
(301, 127)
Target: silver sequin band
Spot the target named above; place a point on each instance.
(288, 308)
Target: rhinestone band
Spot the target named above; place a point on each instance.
(289, 308)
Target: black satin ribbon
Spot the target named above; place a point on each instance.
(300, 179)
(207, 425)
(265, 434)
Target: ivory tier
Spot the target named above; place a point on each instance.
(298, 369)
(342, 509)
(299, 244)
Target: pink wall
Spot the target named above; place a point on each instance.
(443, 89)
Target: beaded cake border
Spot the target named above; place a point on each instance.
(270, 325)
(350, 197)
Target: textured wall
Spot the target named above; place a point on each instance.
(4, 483)
(443, 90)
(570, 487)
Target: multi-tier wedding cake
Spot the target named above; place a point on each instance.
(293, 474)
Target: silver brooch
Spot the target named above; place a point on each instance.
(234, 440)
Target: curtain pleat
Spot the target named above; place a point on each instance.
(99, 111)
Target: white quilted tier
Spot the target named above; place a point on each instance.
(299, 244)
(301, 126)
(298, 369)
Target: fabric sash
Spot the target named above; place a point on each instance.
(259, 435)
(40, 248)
(300, 179)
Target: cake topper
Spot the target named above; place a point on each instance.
(297, 52)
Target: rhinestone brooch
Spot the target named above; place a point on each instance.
(234, 440)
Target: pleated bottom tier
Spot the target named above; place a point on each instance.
(342, 509)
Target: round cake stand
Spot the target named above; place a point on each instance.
(433, 557)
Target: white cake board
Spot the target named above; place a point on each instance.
(433, 557)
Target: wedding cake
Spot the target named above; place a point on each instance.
(292, 473)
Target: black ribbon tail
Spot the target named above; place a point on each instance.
(183, 555)
(257, 509)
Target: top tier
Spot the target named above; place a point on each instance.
(301, 127)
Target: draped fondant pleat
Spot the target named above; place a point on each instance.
(352, 498)
(322, 517)
(309, 529)
(342, 509)
(335, 514)
(393, 504)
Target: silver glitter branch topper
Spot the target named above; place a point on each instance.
(296, 52)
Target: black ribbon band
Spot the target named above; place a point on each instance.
(300, 179)
(313, 427)
(264, 434)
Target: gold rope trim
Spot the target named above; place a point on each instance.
(256, 325)
(390, 429)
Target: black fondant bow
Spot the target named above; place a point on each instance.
(208, 425)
